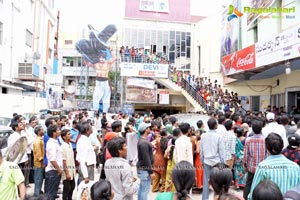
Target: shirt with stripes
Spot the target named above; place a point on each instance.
(254, 152)
(280, 170)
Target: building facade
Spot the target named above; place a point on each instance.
(261, 63)
(27, 44)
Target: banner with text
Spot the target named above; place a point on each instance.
(144, 70)
(239, 61)
(139, 90)
(164, 97)
(283, 46)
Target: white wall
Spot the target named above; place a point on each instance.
(17, 16)
(24, 104)
(207, 35)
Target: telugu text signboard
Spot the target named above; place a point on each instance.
(283, 46)
(144, 70)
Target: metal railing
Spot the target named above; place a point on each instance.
(192, 92)
(142, 58)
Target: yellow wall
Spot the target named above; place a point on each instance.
(265, 86)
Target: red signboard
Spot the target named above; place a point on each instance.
(239, 61)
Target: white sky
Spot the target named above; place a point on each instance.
(76, 14)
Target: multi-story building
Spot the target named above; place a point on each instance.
(78, 80)
(165, 30)
(27, 45)
(258, 54)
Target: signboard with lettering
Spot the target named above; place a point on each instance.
(283, 46)
(144, 70)
(239, 61)
(128, 108)
(164, 97)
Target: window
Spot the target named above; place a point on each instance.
(4, 90)
(1, 33)
(68, 42)
(28, 41)
(255, 35)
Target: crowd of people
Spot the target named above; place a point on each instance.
(214, 97)
(258, 153)
(141, 55)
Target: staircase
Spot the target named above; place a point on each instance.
(187, 91)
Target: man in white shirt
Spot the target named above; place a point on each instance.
(221, 128)
(183, 146)
(85, 153)
(273, 127)
(55, 162)
(98, 122)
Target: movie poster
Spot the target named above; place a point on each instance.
(140, 90)
(230, 31)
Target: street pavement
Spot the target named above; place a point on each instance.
(152, 196)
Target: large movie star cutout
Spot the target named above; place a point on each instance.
(97, 54)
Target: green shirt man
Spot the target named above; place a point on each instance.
(11, 177)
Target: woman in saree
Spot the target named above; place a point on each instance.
(239, 171)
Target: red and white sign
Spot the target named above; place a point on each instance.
(239, 61)
(144, 70)
(164, 97)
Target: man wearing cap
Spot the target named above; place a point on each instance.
(145, 161)
(273, 127)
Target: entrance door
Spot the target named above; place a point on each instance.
(255, 103)
(292, 100)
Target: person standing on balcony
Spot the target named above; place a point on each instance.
(127, 54)
(132, 54)
(122, 53)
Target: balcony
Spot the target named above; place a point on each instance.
(78, 71)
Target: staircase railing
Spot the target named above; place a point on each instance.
(191, 91)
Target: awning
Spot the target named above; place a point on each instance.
(266, 72)
(10, 86)
(25, 86)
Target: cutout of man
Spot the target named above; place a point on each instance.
(97, 54)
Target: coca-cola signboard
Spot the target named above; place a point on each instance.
(239, 61)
